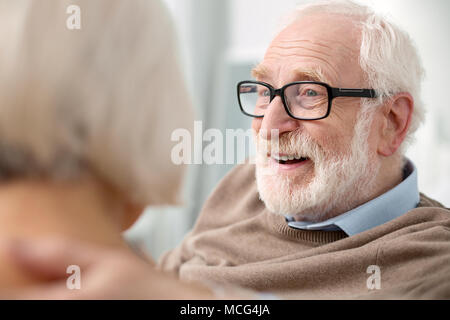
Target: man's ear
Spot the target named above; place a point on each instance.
(397, 114)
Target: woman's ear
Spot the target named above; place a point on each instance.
(397, 114)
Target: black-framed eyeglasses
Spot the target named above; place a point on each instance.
(302, 100)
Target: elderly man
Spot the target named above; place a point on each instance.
(334, 210)
(337, 201)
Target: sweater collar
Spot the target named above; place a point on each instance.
(388, 206)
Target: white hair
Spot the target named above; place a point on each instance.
(103, 99)
(388, 56)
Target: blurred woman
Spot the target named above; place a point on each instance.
(85, 120)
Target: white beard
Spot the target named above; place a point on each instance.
(338, 184)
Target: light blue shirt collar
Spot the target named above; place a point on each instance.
(390, 205)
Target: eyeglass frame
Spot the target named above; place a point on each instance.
(332, 93)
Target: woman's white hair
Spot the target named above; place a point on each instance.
(388, 56)
(103, 99)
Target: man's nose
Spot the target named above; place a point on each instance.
(276, 118)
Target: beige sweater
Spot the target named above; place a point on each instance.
(237, 241)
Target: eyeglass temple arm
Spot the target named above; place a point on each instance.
(361, 93)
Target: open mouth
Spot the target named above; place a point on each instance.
(285, 159)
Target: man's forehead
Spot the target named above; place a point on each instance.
(313, 51)
(322, 33)
(263, 71)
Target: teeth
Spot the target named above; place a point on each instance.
(276, 157)
(286, 158)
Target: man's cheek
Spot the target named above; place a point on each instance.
(333, 143)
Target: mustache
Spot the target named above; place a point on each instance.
(295, 142)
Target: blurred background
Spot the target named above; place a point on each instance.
(220, 42)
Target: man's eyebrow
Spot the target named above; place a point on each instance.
(260, 71)
(301, 74)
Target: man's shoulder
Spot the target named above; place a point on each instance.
(426, 201)
(233, 199)
(428, 210)
(246, 169)
(428, 214)
(239, 178)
